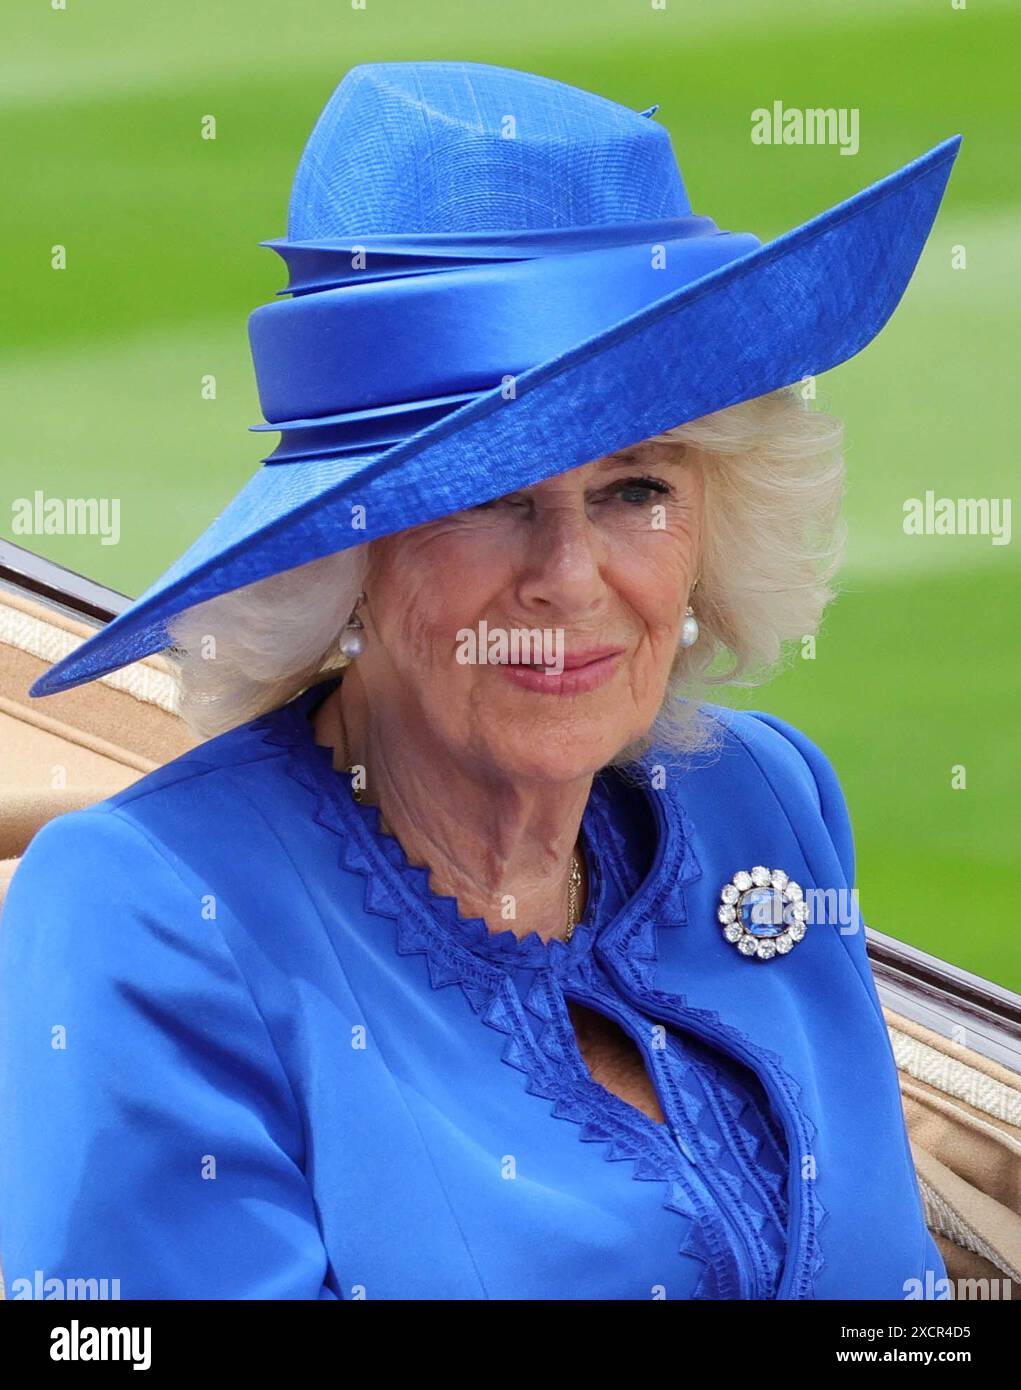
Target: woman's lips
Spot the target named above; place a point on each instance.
(583, 671)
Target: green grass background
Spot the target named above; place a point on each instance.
(917, 666)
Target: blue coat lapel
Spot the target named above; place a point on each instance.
(809, 1023)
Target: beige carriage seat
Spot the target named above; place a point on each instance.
(963, 1111)
(80, 746)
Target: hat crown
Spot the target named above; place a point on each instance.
(415, 147)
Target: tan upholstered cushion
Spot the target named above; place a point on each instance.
(70, 750)
(963, 1114)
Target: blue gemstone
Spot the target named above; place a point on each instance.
(762, 911)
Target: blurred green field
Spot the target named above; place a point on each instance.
(917, 667)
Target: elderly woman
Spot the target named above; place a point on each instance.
(472, 956)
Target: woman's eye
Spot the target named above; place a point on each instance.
(635, 492)
(639, 492)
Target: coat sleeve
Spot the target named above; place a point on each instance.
(148, 1132)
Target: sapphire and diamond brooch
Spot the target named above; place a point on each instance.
(763, 912)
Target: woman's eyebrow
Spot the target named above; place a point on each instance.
(632, 458)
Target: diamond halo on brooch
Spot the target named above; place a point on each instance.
(763, 912)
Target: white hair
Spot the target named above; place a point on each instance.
(772, 540)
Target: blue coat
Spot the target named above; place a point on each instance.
(247, 1053)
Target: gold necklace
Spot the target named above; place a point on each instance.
(573, 883)
(573, 894)
(356, 792)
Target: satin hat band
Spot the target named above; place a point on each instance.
(453, 317)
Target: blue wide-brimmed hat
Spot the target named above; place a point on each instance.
(493, 278)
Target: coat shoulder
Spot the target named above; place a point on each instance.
(209, 794)
(750, 748)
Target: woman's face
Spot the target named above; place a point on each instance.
(587, 574)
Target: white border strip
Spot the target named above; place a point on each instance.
(51, 643)
(954, 1078)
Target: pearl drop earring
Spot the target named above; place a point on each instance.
(689, 628)
(352, 639)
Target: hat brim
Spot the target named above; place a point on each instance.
(794, 307)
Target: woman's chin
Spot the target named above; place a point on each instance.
(534, 736)
(537, 753)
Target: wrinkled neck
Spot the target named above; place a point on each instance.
(503, 848)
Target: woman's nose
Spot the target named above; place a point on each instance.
(562, 566)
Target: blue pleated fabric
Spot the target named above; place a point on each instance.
(246, 1051)
(494, 277)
